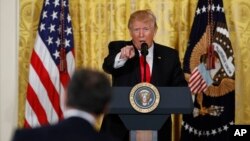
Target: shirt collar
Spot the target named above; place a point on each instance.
(79, 113)
(150, 51)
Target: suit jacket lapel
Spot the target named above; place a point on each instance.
(138, 77)
(156, 66)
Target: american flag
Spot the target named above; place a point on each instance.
(200, 79)
(51, 65)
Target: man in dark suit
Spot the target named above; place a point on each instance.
(87, 97)
(123, 63)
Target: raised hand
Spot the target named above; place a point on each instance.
(127, 52)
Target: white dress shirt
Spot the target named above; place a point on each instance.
(79, 113)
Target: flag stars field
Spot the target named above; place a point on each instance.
(204, 9)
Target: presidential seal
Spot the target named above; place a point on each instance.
(144, 97)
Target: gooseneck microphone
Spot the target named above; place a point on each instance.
(144, 49)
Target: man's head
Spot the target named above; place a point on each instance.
(142, 27)
(88, 90)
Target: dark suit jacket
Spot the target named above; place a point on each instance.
(72, 129)
(166, 72)
(166, 69)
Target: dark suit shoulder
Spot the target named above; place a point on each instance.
(165, 51)
(28, 135)
(165, 48)
(74, 128)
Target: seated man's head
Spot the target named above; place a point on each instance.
(88, 90)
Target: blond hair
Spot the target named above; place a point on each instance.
(142, 15)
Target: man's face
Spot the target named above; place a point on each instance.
(142, 32)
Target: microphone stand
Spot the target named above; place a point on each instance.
(144, 52)
(145, 63)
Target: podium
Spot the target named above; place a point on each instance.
(173, 100)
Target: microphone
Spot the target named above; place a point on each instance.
(144, 49)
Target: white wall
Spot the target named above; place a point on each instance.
(8, 67)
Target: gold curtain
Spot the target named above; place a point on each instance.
(97, 22)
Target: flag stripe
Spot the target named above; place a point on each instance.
(26, 124)
(37, 107)
(46, 82)
(197, 83)
(42, 95)
(197, 86)
(195, 80)
(30, 117)
(195, 77)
